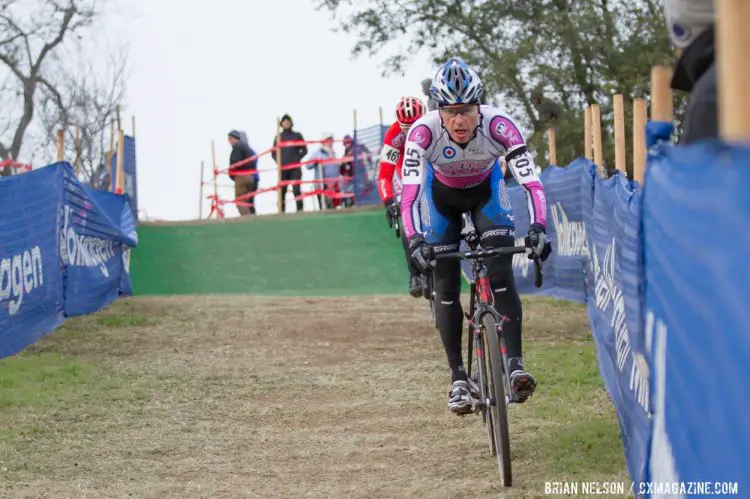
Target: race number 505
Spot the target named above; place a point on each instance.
(411, 163)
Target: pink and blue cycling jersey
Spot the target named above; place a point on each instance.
(428, 145)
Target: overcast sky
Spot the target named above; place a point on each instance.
(200, 69)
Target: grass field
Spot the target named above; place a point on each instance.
(247, 396)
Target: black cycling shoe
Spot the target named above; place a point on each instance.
(522, 385)
(415, 286)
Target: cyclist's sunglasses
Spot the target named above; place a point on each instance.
(466, 110)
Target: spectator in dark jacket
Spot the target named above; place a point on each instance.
(243, 184)
(431, 103)
(691, 28)
(256, 175)
(290, 155)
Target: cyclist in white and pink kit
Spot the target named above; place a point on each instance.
(451, 167)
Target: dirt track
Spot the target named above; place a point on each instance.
(251, 397)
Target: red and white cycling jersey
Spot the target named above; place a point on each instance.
(392, 155)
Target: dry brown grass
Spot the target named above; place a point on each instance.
(263, 397)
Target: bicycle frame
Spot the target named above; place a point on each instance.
(485, 304)
(491, 398)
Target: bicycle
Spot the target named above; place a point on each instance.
(491, 390)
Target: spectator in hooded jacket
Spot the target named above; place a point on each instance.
(290, 155)
(243, 184)
(256, 175)
(691, 29)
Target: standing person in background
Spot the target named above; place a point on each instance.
(256, 175)
(290, 155)
(431, 103)
(243, 184)
(691, 29)
(348, 168)
(408, 110)
(328, 171)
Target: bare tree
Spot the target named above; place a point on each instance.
(47, 88)
(90, 98)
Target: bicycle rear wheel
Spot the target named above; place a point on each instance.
(499, 407)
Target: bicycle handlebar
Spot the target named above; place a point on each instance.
(486, 254)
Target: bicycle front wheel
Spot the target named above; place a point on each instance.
(498, 407)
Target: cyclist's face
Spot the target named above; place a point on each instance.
(460, 120)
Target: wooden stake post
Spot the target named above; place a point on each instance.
(640, 112)
(120, 185)
(279, 201)
(661, 94)
(587, 133)
(733, 79)
(620, 144)
(596, 122)
(60, 142)
(552, 147)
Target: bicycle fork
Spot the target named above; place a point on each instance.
(480, 390)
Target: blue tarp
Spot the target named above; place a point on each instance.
(64, 251)
(664, 276)
(697, 323)
(367, 145)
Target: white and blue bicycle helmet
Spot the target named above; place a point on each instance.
(456, 83)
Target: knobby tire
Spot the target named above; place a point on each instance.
(498, 410)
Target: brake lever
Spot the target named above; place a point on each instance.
(538, 277)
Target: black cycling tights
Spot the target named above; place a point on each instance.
(449, 314)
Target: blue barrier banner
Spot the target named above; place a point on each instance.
(98, 228)
(367, 146)
(612, 228)
(31, 281)
(565, 269)
(129, 173)
(697, 290)
(131, 179)
(64, 251)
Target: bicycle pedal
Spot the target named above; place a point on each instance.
(520, 397)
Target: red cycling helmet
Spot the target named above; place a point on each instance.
(409, 110)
